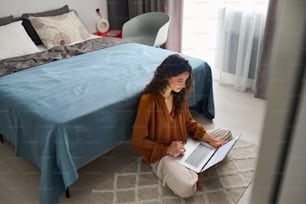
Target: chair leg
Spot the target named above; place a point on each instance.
(1, 138)
(67, 192)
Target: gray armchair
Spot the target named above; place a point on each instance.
(149, 29)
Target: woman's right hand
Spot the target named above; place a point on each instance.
(176, 148)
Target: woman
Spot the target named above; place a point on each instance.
(163, 122)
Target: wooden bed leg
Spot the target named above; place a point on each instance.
(1, 138)
(67, 193)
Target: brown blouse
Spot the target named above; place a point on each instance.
(155, 127)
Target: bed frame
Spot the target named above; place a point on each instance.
(63, 113)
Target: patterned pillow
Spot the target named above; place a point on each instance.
(28, 26)
(59, 30)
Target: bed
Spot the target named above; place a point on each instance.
(64, 106)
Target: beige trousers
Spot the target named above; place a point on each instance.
(181, 180)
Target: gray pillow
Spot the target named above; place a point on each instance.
(28, 26)
(6, 20)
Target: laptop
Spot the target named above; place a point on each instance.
(199, 155)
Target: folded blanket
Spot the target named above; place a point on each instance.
(14, 64)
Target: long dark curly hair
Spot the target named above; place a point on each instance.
(172, 66)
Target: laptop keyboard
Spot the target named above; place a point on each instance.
(198, 155)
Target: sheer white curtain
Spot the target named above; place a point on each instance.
(200, 22)
(239, 42)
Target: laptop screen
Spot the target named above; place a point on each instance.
(221, 153)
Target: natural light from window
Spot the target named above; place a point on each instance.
(201, 19)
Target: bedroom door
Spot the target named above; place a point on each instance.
(281, 168)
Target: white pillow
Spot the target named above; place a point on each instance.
(59, 30)
(15, 41)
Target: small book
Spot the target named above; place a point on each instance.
(199, 155)
(113, 32)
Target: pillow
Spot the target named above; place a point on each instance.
(28, 26)
(6, 20)
(59, 30)
(15, 41)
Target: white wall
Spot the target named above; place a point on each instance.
(85, 8)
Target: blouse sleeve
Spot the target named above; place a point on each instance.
(194, 128)
(150, 150)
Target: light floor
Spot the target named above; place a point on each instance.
(19, 179)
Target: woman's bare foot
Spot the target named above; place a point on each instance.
(200, 181)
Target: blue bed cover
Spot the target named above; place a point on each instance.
(63, 114)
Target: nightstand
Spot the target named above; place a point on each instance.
(110, 33)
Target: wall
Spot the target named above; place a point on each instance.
(86, 9)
